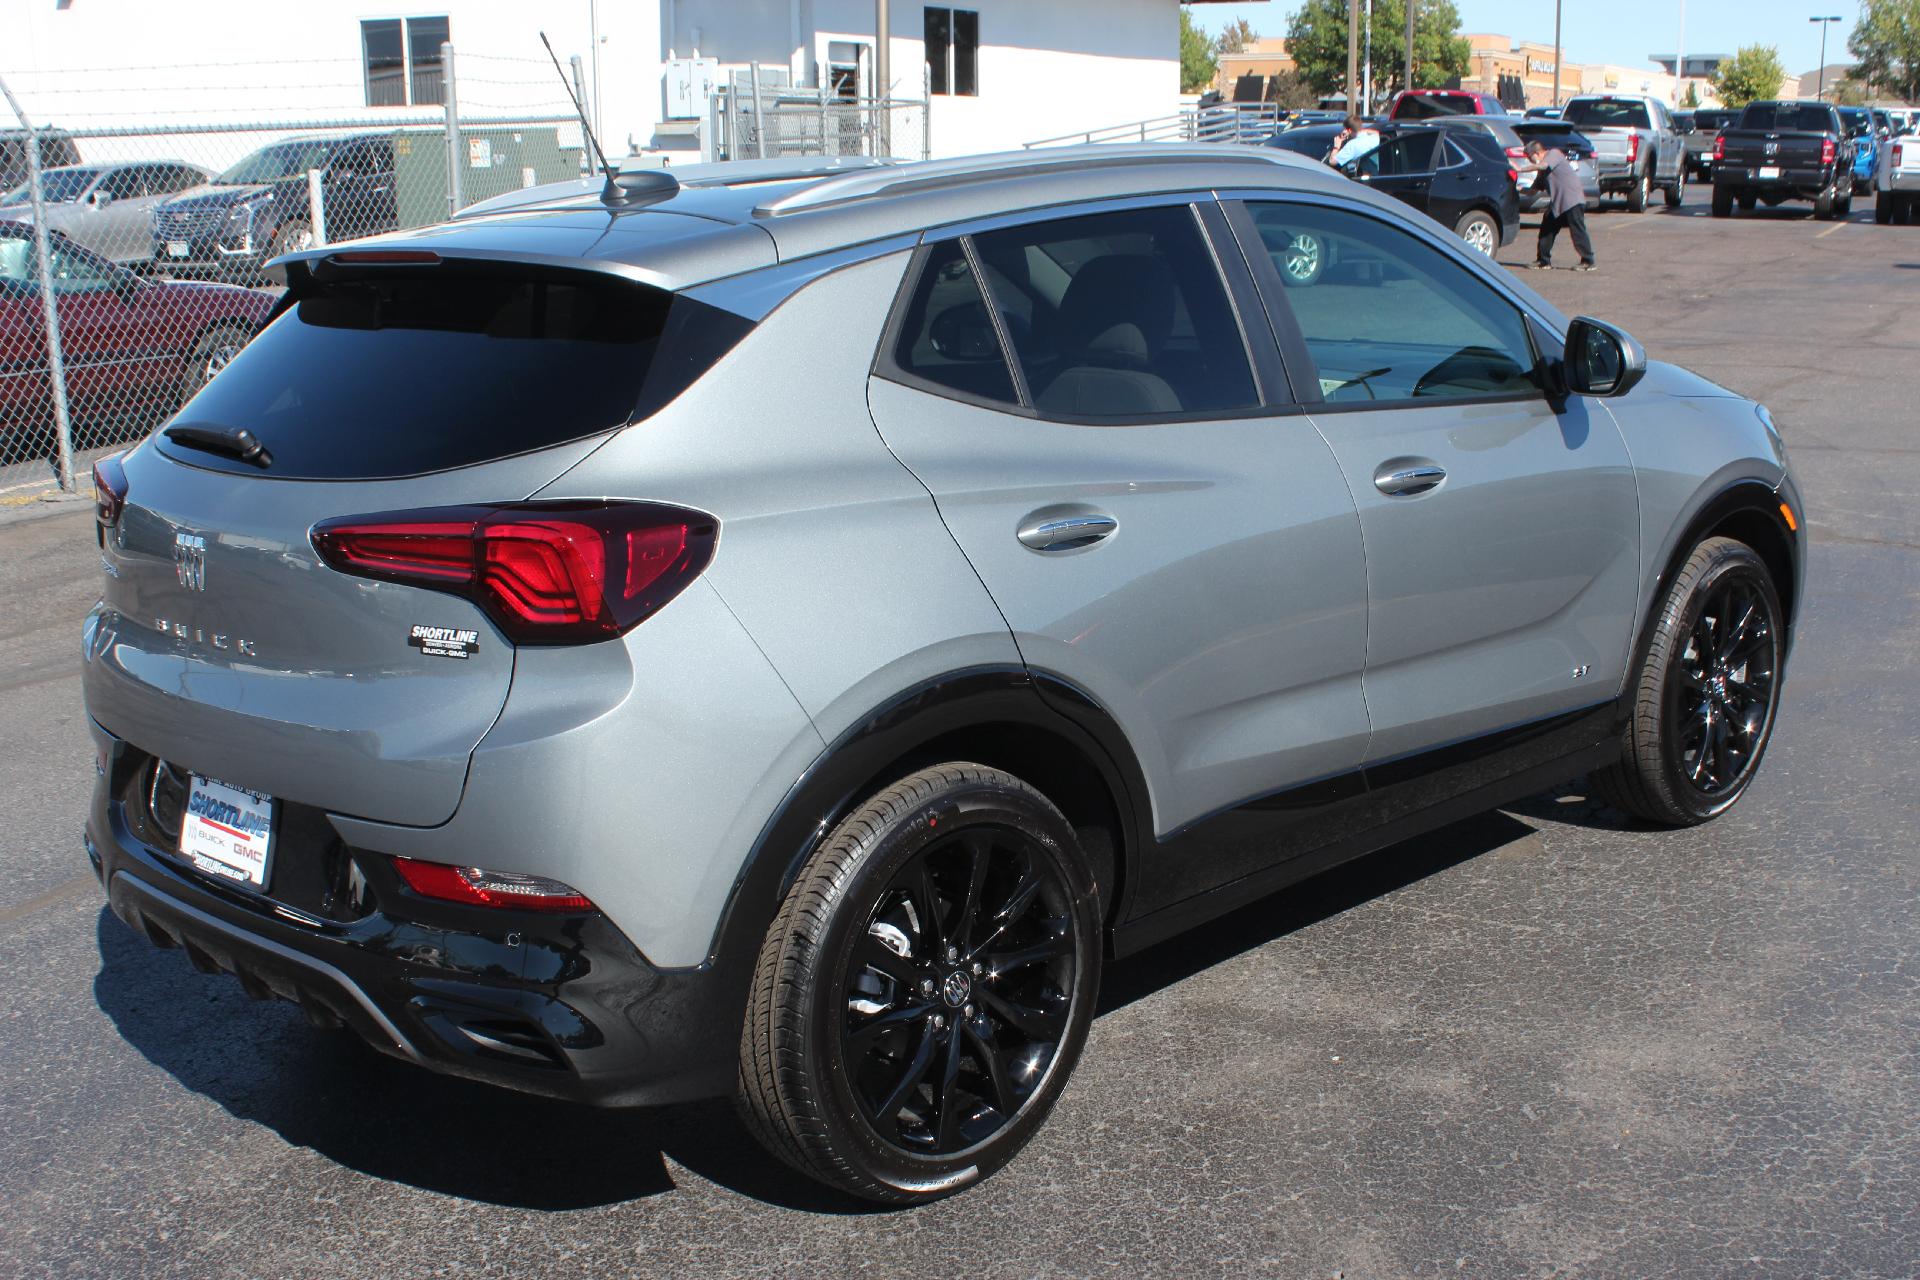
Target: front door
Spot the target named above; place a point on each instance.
(1402, 166)
(1157, 525)
(1501, 526)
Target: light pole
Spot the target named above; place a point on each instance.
(1824, 23)
(1556, 52)
(1412, 7)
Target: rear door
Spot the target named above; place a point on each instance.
(1159, 525)
(1501, 527)
(1403, 166)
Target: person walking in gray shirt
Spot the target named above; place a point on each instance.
(1566, 206)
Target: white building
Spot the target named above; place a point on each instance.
(1002, 72)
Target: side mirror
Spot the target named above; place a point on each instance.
(1602, 360)
(99, 198)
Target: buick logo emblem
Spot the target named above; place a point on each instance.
(190, 560)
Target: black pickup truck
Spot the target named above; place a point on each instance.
(1784, 150)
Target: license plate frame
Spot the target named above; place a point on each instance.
(1769, 173)
(227, 831)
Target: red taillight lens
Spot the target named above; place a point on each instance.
(1899, 151)
(546, 573)
(1513, 175)
(1828, 150)
(1633, 147)
(479, 887)
(1719, 147)
(109, 490)
(1516, 153)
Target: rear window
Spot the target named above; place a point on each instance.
(1787, 117)
(1607, 113)
(406, 370)
(1425, 106)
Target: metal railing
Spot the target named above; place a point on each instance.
(1222, 122)
(754, 121)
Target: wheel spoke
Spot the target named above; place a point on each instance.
(946, 1109)
(979, 850)
(926, 905)
(916, 1071)
(980, 1032)
(1004, 962)
(1035, 1024)
(863, 1038)
(877, 955)
(1731, 637)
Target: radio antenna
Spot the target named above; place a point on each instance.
(586, 128)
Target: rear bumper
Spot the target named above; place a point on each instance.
(1792, 184)
(563, 1006)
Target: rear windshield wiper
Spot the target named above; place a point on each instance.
(237, 442)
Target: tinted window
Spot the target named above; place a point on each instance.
(1313, 140)
(1858, 122)
(404, 372)
(124, 184)
(1388, 317)
(1787, 117)
(1118, 315)
(76, 271)
(1408, 153)
(946, 334)
(56, 186)
(1427, 105)
(1607, 113)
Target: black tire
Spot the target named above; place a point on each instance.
(1823, 206)
(210, 353)
(856, 979)
(1640, 192)
(1722, 201)
(1677, 189)
(1843, 207)
(1480, 231)
(1717, 643)
(1747, 202)
(1883, 208)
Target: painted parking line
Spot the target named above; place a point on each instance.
(1830, 230)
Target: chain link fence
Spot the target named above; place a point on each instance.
(133, 242)
(757, 116)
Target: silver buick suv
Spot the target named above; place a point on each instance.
(777, 631)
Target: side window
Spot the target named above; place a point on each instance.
(181, 178)
(1387, 317)
(1118, 314)
(124, 184)
(1407, 154)
(355, 161)
(75, 272)
(946, 334)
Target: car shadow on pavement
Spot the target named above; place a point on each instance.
(387, 1119)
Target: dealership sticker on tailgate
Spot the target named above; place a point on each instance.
(444, 642)
(227, 831)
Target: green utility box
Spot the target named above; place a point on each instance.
(494, 159)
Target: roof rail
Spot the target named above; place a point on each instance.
(732, 173)
(933, 175)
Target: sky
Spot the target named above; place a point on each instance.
(1620, 31)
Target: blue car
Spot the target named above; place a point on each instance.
(1866, 146)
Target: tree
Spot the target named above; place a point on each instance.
(1317, 39)
(1754, 72)
(1886, 40)
(1237, 35)
(1693, 97)
(1197, 63)
(1290, 89)
(1848, 92)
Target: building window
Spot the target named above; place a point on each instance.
(402, 57)
(953, 52)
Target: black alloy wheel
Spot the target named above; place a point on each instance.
(957, 997)
(1706, 694)
(925, 989)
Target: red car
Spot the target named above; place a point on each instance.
(134, 349)
(1425, 104)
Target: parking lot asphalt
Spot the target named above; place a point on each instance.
(1541, 1042)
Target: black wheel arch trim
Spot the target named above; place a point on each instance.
(1743, 498)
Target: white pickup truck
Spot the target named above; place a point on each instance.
(1636, 145)
(1896, 182)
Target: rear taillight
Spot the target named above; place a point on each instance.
(1828, 150)
(1898, 152)
(545, 572)
(1513, 175)
(479, 887)
(1516, 153)
(1633, 147)
(1720, 146)
(109, 490)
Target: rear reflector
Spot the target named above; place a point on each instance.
(1633, 147)
(479, 887)
(546, 573)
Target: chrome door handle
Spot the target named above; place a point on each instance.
(1405, 482)
(1064, 533)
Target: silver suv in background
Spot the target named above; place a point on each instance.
(1637, 146)
(817, 618)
